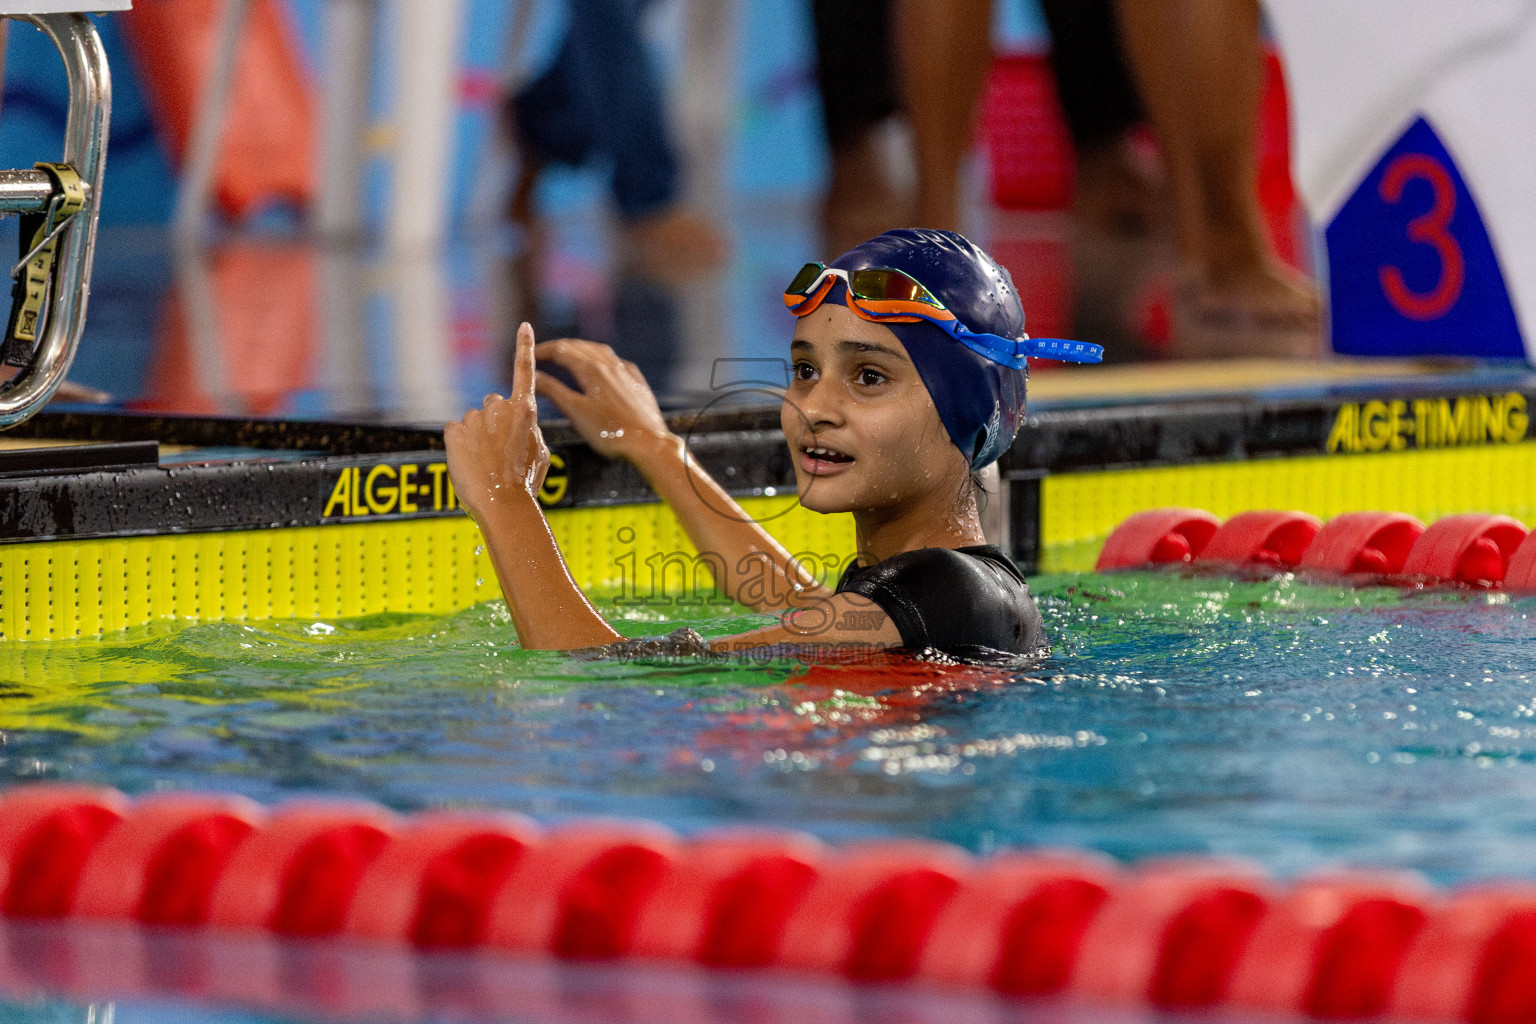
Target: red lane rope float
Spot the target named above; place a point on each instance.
(1020, 924)
(1473, 549)
(1520, 574)
(1262, 537)
(298, 874)
(1374, 543)
(1187, 933)
(868, 914)
(433, 884)
(1333, 946)
(1172, 935)
(46, 834)
(726, 903)
(159, 865)
(1157, 537)
(579, 892)
(1472, 961)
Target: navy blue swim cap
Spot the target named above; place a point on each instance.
(981, 403)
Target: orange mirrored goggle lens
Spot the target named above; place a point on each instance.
(875, 292)
(878, 285)
(805, 280)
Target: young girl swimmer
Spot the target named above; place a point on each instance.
(908, 377)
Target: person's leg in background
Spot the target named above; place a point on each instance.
(856, 76)
(550, 122)
(1199, 67)
(602, 97)
(945, 48)
(1101, 106)
(875, 58)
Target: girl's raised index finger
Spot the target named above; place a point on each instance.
(523, 365)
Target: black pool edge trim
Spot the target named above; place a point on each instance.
(742, 448)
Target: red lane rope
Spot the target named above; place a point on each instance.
(1470, 549)
(1176, 933)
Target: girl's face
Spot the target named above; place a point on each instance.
(861, 427)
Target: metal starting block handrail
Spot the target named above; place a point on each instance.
(31, 192)
(25, 192)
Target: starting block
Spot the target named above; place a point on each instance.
(59, 203)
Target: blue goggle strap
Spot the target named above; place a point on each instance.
(1013, 353)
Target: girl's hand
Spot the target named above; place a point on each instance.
(614, 411)
(496, 452)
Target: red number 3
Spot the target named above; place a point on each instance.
(1430, 229)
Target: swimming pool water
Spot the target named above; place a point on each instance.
(1295, 724)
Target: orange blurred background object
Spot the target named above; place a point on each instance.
(267, 152)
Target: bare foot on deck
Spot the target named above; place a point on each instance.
(675, 239)
(1121, 191)
(1269, 312)
(68, 391)
(80, 394)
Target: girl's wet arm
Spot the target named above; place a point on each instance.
(617, 415)
(750, 566)
(548, 609)
(844, 622)
(497, 459)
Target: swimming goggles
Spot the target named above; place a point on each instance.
(884, 295)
